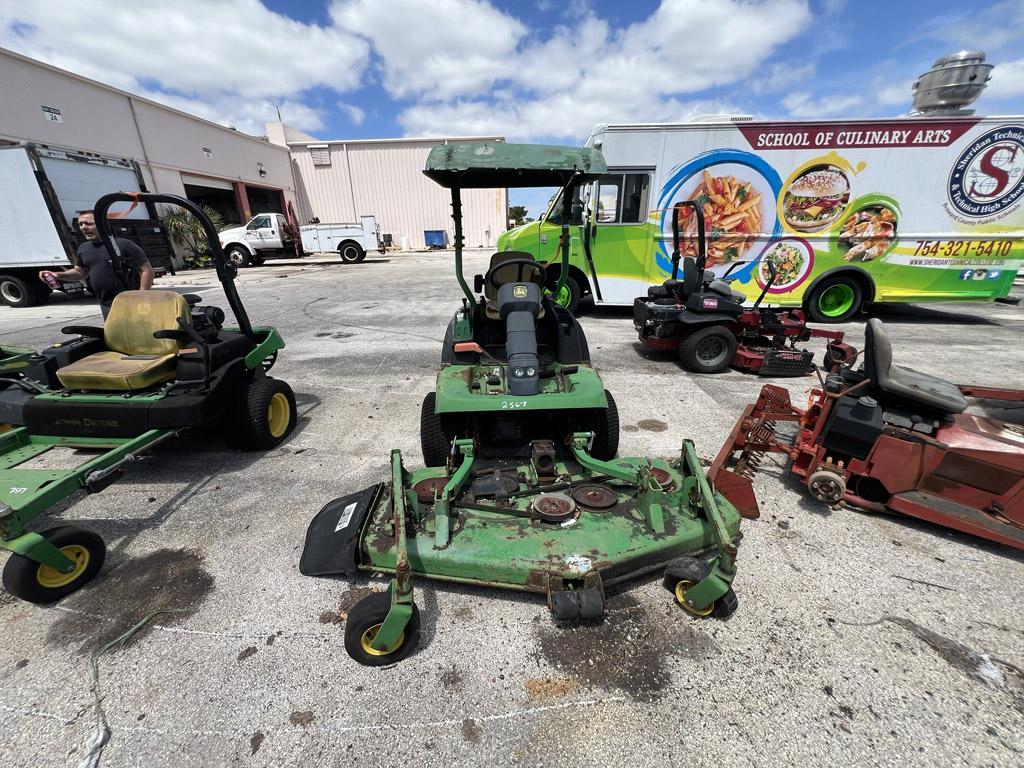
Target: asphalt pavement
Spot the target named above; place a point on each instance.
(860, 639)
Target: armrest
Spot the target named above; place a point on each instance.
(172, 334)
(83, 330)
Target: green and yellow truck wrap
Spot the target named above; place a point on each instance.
(914, 209)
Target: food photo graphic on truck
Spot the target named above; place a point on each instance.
(849, 212)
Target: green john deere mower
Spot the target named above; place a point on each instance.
(160, 364)
(522, 489)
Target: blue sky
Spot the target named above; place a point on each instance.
(537, 70)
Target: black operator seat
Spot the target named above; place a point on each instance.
(519, 305)
(905, 383)
(506, 275)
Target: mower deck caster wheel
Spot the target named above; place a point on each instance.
(682, 573)
(42, 584)
(364, 621)
(827, 486)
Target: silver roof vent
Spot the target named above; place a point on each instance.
(951, 84)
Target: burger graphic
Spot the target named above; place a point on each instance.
(816, 199)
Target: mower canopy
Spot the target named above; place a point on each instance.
(489, 165)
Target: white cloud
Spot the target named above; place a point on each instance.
(356, 115)
(1007, 81)
(438, 49)
(901, 94)
(229, 55)
(802, 104)
(782, 75)
(591, 73)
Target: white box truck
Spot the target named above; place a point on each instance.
(269, 235)
(41, 190)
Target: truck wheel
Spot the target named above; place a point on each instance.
(835, 300)
(708, 350)
(238, 256)
(351, 253)
(17, 292)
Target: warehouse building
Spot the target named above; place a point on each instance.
(342, 180)
(75, 119)
(178, 154)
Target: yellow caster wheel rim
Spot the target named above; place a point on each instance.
(51, 578)
(368, 637)
(681, 588)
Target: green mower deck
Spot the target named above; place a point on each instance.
(562, 529)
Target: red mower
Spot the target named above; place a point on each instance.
(704, 321)
(887, 438)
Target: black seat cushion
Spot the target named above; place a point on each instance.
(906, 383)
(723, 289)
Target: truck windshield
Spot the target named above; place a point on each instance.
(555, 209)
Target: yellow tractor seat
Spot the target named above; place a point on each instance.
(134, 359)
(504, 275)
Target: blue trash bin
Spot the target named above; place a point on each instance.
(435, 238)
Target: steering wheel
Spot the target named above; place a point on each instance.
(521, 263)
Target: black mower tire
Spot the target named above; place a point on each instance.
(851, 300)
(708, 350)
(40, 584)
(238, 256)
(363, 621)
(606, 431)
(256, 261)
(351, 253)
(434, 442)
(263, 414)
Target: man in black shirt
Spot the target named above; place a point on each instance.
(94, 262)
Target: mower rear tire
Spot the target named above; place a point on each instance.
(256, 261)
(682, 573)
(40, 584)
(434, 441)
(263, 415)
(835, 300)
(708, 350)
(606, 431)
(365, 619)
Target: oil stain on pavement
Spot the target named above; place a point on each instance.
(172, 580)
(631, 650)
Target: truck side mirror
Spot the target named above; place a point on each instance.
(478, 283)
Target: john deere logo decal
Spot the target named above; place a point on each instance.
(989, 176)
(519, 291)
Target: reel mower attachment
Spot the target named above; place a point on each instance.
(566, 529)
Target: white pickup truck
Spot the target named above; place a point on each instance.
(267, 235)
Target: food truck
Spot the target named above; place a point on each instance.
(911, 209)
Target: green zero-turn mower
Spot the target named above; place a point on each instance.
(160, 364)
(549, 510)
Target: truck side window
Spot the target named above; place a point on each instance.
(622, 198)
(260, 222)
